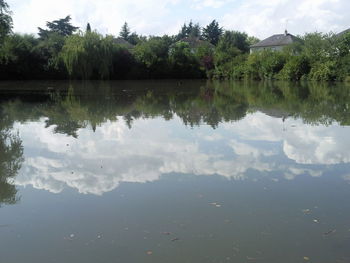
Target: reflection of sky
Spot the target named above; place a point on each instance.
(98, 162)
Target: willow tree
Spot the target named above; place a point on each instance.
(89, 55)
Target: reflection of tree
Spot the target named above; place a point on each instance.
(90, 104)
(11, 158)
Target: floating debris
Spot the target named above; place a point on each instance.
(149, 252)
(70, 237)
(306, 211)
(330, 232)
(315, 221)
(215, 204)
(166, 233)
(306, 258)
(252, 259)
(175, 239)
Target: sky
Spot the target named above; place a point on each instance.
(157, 17)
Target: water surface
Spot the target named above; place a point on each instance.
(174, 171)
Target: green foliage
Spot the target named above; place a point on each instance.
(190, 30)
(205, 55)
(88, 56)
(184, 62)
(48, 49)
(235, 68)
(153, 54)
(195, 52)
(229, 54)
(17, 57)
(212, 32)
(5, 20)
(125, 32)
(271, 63)
(323, 71)
(231, 44)
(295, 68)
(61, 26)
(135, 39)
(253, 40)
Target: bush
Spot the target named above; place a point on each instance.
(323, 71)
(295, 68)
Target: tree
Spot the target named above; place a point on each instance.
(190, 30)
(89, 56)
(18, 58)
(88, 27)
(154, 54)
(48, 50)
(253, 40)
(231, 44)
(5, 20)
(135, 39)
(125, 32)
(194, 30)
(184, 62)
(212, 32)
(61, 26)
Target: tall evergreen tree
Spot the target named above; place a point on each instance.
(61, 26)
(190, 30)
(212, 32)
(125, 32)
(5, 20)
(88, 27)
(194, 31)
(183, 32)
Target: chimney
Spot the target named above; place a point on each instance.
(286, 32)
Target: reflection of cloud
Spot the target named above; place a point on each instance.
(302, 143)
(245, 149)
(293, 172)
(98, 162)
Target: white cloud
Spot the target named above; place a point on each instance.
(264, 18)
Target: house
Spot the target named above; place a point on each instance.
(122, 42)
(194, 43)
(275, 42)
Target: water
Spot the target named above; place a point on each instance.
(174, 171)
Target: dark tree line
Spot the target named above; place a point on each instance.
(63, 51)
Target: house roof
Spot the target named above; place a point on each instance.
(195, 42)
(123, 42)
(343, 32)
(277, 40)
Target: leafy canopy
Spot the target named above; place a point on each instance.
(5, 20)
(61, 26)
(212, 32)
